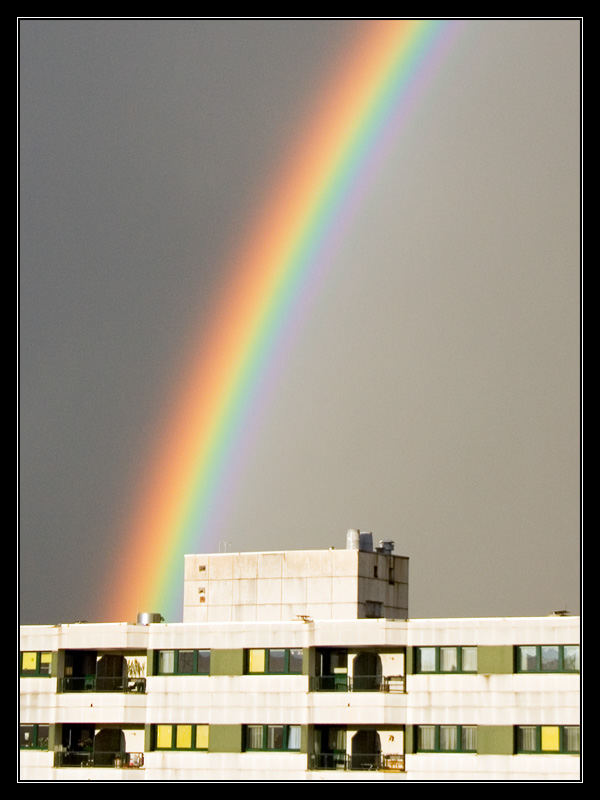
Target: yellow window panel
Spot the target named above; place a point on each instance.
(164, 736)
(46, 658)
(550, 738)
(184, 737)
(202, 737)
(30, 662)
(256, 661)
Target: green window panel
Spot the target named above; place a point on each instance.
(227, 662)
(225, 739)
(495, 659)
(495, 740)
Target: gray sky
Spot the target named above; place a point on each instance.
(433, 395)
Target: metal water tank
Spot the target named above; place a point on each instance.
(148, 617)
(353, 539)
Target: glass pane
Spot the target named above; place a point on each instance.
(26, 736)
(469, 737)
(276, 660)
(184, 737)
(448, 737)
(469, 659)
(426, 657)
(42, 737)
(275, 737)
(528, 658)
(202, 737)
(294, 737)
(164, 736)
(29, 662)
(45, 663)
(448, 659)
(203, 662)
(185, 662)
(256, 661)
(254, 737)
(336, 739)
(166, 662)
(527, 739)
(571, 733)
(550, 658)
(426, 739)
(296, 661)
(571, 657)
(550, 738)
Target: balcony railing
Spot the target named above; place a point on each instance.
(119, 760)
(93, 683)
(358, 683)
(364, 762)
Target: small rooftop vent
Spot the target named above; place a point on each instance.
(147, 618)
(385, 547)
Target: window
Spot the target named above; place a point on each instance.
(35, 664)
(547, 658)
(181, 737)
(33, 737)
(447, 738)
(547, 739)
(274, 661)
(272, 737)
(183, 662)
(446, 659)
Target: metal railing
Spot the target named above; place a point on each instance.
(118, 760)
(357, 683)
(365, 762)
(93, 683)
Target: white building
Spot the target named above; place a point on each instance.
(301, 665)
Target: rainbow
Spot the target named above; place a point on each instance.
(231, 363)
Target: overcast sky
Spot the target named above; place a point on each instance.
(432, 396)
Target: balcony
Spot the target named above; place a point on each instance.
(96, 683)
(365, 762)
(358, 683)
(114, 760)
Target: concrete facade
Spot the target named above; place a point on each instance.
(300, 696)
(324, 584)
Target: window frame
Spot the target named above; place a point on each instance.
(538, 660)
(562, 738)
(35, 726)
(267, 670)
(285, 748)
(438, 668)
(37, 672)
(176, 667)
(173, 736)
(437, 748)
